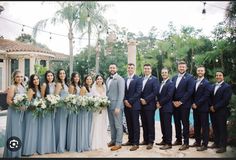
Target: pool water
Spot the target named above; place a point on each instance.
(157, 117)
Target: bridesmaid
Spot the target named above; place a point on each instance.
(46, 132)
(61, 113)
(74, 88)
(14, 126)
(31, 122)
(85, 119)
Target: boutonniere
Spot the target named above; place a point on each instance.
(201, 83)
(184, 77)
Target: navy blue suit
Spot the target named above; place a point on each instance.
(201, 113)
(183, 93)
(220, 100)
(165, 99)
(132, 95)
(148, 111)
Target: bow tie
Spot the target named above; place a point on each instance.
(111, 77)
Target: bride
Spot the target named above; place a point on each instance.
(99, 123)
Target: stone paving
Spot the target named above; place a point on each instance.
(141, 152)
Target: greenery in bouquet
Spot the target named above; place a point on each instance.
(70, 103)
(20, 101)
(38, 107)
(100, 103)
(82, 103)
(52, 102)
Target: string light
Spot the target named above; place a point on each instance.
(50, 36)
(88, 18)
(204, 10)
(22, 30)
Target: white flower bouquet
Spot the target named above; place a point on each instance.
(82, 102)
(52, 101)
(38, 107)
(20, 102)
(70, 102)
(100, 103)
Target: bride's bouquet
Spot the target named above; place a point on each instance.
(100, 103)
(20, 102)
(70, 102)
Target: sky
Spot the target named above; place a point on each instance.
(134, 15)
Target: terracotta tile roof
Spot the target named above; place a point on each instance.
(15, 46)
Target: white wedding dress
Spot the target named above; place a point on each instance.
(99, 132)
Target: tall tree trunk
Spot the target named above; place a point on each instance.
(70, 37)
(89, 35)
(97, 54)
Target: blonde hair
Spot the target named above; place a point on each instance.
(14, 76)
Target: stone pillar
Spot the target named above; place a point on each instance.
(32, 63)
(22, 65)
(132, 51)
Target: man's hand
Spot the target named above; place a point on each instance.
(194, 106)
(158, 105)
(177, 104)
(117, 111)
(212, 109)
(143, 101)
(127, 104)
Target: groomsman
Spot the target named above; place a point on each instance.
(164, 103)
(200, 108)
(133, 89)
(219, 112)
(150, 86)
(115, 93)
(182, 100)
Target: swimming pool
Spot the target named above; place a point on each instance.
(157, 117)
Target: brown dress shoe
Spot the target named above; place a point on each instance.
(116, 147)
(202, 148)
(161, 143)
(176, 143)
(221, 150)
(184, 147)
(195, 144)
(127, 144)
(143, 143)
(166, 146)
(110, 144)
(149, 146)
(134, 147)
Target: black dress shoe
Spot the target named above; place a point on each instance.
(221, 150)
(161, 143)
(195, 144)
(143, 143)
(166, 146)
(149, 146)
(214, 146)
(176, 143)
(202, 148)
(127, 144)
(184, 147)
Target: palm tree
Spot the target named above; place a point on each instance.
(69, 14)
(231, 14)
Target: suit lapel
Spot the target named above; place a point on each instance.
(219, 89)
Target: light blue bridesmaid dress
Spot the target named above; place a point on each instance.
(31, 132)
(71, 138)
(14, 127)
(61, 119)
(46, 131)
(84, 125)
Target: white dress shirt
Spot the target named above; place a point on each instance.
(109, 81)
(145, 81)
(198, 82)
(162, 84)
(217, 87)
(180, 76)
(130, 78)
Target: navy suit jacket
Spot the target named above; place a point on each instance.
(221, 99)
(201, 96)
(166, 96)
(149, 93)
(184, 91)
(134, 92)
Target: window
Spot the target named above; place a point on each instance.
(43, 63)
(27, 67)
(1, 78)
(14, 65)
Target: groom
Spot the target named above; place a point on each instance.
(115, 93)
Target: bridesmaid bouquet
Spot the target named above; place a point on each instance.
(52, 101)
(70, 102)
(82, 102)
(20, 101)
(39, 107)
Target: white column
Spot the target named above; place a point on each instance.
(32, 63)
(132, 52)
